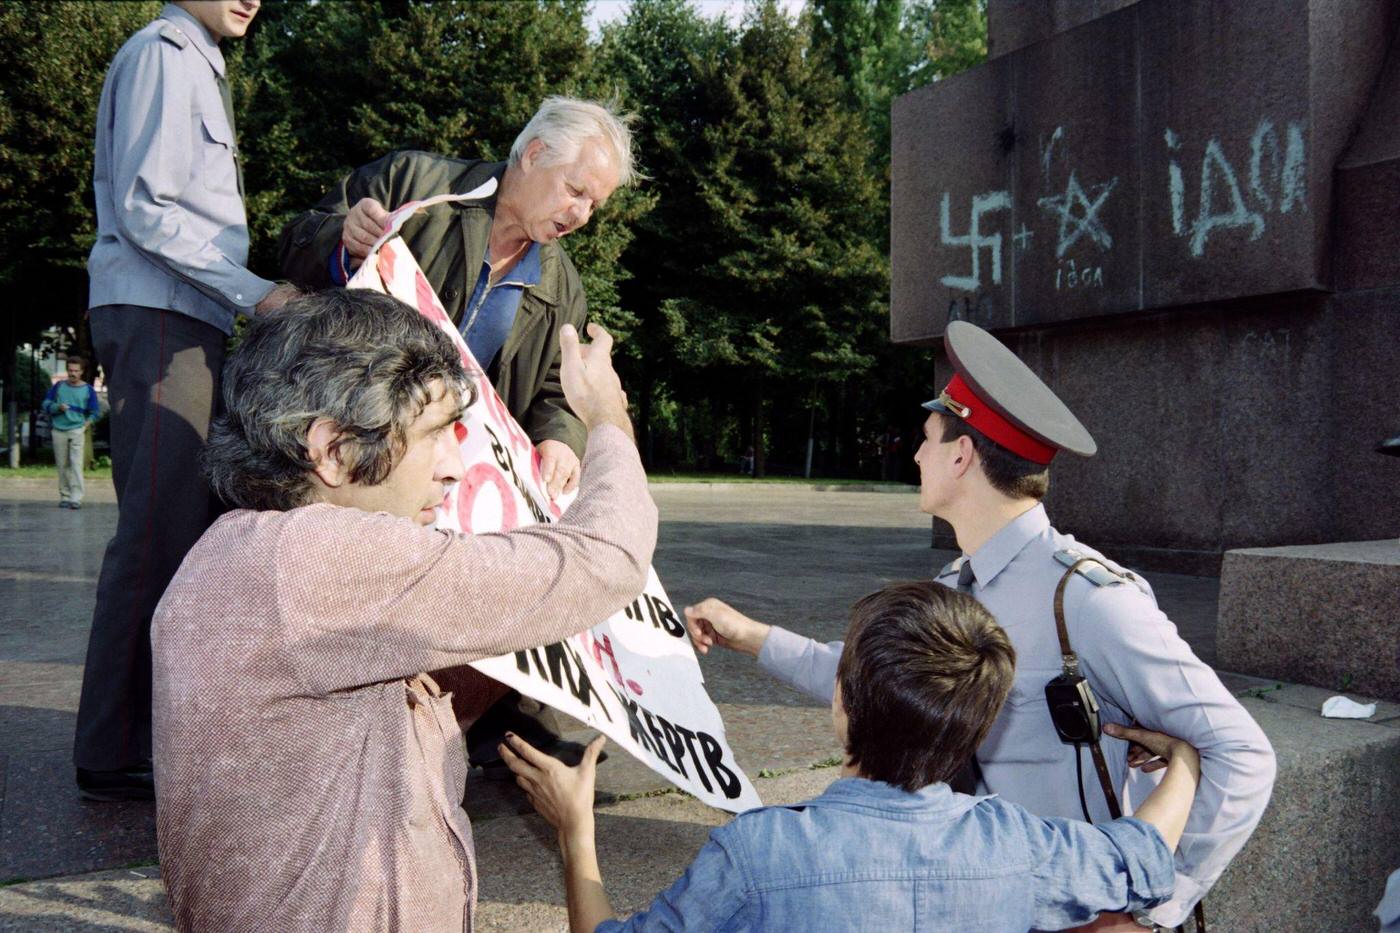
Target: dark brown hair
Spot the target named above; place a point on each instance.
(75, 359)
(1010, 474)
(924, 673)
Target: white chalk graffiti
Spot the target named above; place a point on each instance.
(1046, 149)
(1285, 174)
(1207, 217)
(1084, 222)
(1225, 199)
(1070, 276)
(1288, 176)
(974, 240)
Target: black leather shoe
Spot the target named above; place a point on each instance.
(131, 784)
(571, 753)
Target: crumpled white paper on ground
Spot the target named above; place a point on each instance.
(1342, 708)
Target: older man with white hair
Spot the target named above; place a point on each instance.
(496, 263)
(505, 281)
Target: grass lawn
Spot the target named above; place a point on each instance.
(49, 471)
(740, 478)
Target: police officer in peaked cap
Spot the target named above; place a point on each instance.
(984, 466)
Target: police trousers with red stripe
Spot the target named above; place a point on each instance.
(162, 373)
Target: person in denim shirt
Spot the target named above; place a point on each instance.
(890, 845)
(984, 467)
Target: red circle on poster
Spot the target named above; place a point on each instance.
(478, 476)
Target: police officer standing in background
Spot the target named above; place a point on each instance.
(984, 467)
(167, 275)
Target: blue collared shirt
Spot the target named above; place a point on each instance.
(171, 229)
(1140, 669)
(490, 312)
(869, 856)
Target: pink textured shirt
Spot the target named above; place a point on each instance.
(308, 773)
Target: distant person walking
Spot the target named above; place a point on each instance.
(168, 273)
(72, 405)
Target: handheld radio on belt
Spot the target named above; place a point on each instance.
(1074, 710)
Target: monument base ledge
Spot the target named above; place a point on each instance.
(1320, 614)
(1320, 857)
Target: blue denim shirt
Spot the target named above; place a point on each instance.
(491, 310)
(869, 856)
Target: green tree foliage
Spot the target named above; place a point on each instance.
(883, 48)
(323, 88)
(653, 59)
(863, 44)
(880, 49)
(53, 57)
(747, 275)
(31, 380)
(949, 36)
(786, 285)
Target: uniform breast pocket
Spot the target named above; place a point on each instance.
(218, 170)
(1023, 731)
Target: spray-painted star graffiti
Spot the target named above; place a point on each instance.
(1086, 223)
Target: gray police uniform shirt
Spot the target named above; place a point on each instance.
(171, 230)
(1140, 669)
(1389, 909)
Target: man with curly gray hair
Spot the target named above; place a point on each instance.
(309, 771)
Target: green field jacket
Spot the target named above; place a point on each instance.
(449, 242)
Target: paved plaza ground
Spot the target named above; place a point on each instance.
(782, 553)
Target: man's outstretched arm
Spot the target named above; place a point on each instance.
(308, 249)
(708, 896)
(802, 663)
(564, 797)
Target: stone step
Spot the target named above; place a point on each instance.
(1322, 614)
(1331, 834)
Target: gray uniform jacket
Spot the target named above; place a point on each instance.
(1389, 909)
(1140, 669)
(171, 231)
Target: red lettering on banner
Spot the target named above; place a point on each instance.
(385, 264)
(427, 301)
(478, 476)
(591, 645)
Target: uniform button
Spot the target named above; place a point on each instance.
(237, 297)
(449, 293)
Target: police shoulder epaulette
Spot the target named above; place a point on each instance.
(1095, 571)
(172, 34)
(953, 566)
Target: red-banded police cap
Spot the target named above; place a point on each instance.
(996, 393)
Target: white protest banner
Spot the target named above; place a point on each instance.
(634, 676)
